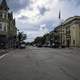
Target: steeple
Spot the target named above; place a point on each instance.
(4, 5)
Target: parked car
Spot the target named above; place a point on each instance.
(22, 45)
(56, 46)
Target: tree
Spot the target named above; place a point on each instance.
(21, 36)
(37, 40)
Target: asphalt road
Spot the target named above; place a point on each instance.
(41, 64)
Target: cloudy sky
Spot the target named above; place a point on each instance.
(37, 17)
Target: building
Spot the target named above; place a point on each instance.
(8, 30)
(69, 32)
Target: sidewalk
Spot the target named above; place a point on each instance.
(3, 51)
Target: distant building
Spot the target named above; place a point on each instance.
(8, 30)
(69, 32)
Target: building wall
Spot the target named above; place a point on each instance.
(7, 28)
(75, 35)
(69, 32)
(72, 33)
(63, 36)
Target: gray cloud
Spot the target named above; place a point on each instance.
(43, 10)
(16, 5)
(73, 2)
(68, 8)
(23, 18)
(77, 2)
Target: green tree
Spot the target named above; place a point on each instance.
(21, 36)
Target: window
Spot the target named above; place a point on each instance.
(0, 15)
(5, 27)
(74, 42)
(4, 15)
(0, 27)
(63, 41)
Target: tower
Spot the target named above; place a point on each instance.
(4, 5)
(7, 26)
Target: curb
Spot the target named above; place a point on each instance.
(2, 52)
(3, 56)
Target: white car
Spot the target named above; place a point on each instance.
(23, 46)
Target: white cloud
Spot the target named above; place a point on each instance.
(33, 14)
(33, 34)
(43, 29)
(35, 24)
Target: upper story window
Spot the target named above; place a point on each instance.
(5, 27)
(4, 16)
(67, 30)
(1, 15)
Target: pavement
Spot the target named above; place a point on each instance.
(41, 64)
(3, 52)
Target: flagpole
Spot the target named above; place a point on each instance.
(61, 28)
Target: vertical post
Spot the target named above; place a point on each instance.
(60, 28)
(61, 33)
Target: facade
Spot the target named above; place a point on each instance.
(8, 30)
(69, 32)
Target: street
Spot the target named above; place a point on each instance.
(41, 64)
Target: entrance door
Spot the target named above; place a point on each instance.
(68, 43)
